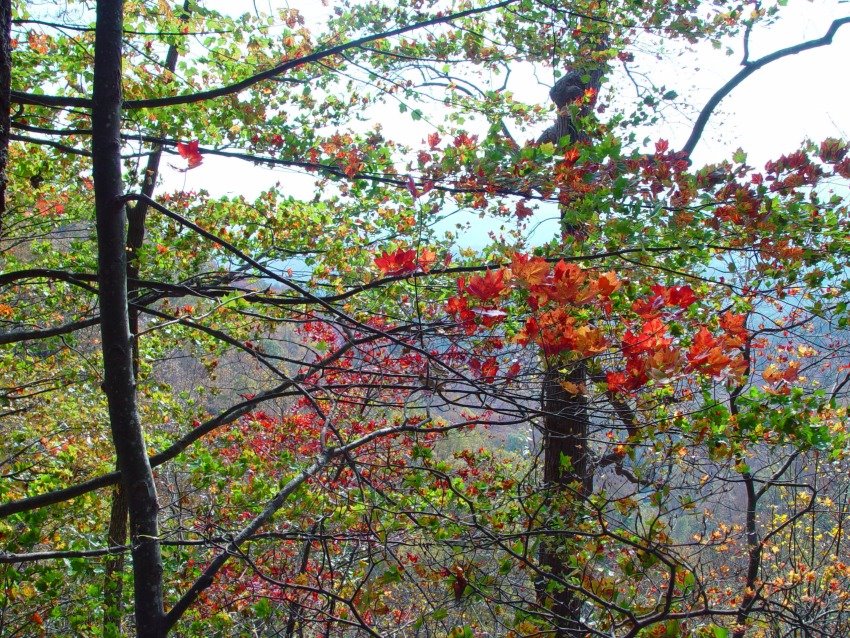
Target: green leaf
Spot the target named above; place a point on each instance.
(263, 608)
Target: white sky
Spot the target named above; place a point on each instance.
(802, 96)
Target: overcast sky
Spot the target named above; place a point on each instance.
(807, 95)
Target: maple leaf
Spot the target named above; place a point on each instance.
(489, 370)
(571, 156)
(528, 333)
(652, 337)
(663, 363)
(557, 332)
(703, 342)
(706, 354)
(590, 341)
(530, 270)
(463, 140)
(490, 316)
(487, 287)
(616, 381)
(573, 388)
(400, 262)
(733, 324)
(682, 296)
(634, 376)
(411, 188)
(523, 211)
(772, 374)
(647, 308)
(607, 284)
(426, 259)
(189, 151)
(567, 281)
(458, 308)
(832, 150)
(351, 163)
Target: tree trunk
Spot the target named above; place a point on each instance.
(567, 473)
(137, 480)
(5, 99)
(113, 584)
(113, 581)
(567, 466)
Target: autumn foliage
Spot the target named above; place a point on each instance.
(442, 374)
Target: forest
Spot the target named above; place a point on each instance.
(422, 318)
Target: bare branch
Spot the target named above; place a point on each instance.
(747, 71)
(62, 101)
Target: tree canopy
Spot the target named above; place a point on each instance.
(475, 365)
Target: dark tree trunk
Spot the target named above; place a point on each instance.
(567, 473)
(113, 584)
(137, 480)
(5, 99)
(113, 571)
(567, 464)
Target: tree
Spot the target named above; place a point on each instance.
(287, 381)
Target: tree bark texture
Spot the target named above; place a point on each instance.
(114, 569)
(137, 480)
(568, 474)
(5, 99)
(567, 465)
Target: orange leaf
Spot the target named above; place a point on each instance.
(523, 211)
(427, 258)
(590, 341)
(608, 283)
(568, 280)
(489, 370)
(734, 325)
(488, 287)
(573, 388)
(530, 270)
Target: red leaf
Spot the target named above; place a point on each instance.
(189, 151)
(706, 354)
(489, 370)
(488, 287)
(400, 262)
(733, 324)
(607, 284)
(523, 211)
(490, 316)
(411, 187)
(616, 381)
(682, 296)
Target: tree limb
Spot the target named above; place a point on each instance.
(747, 71)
